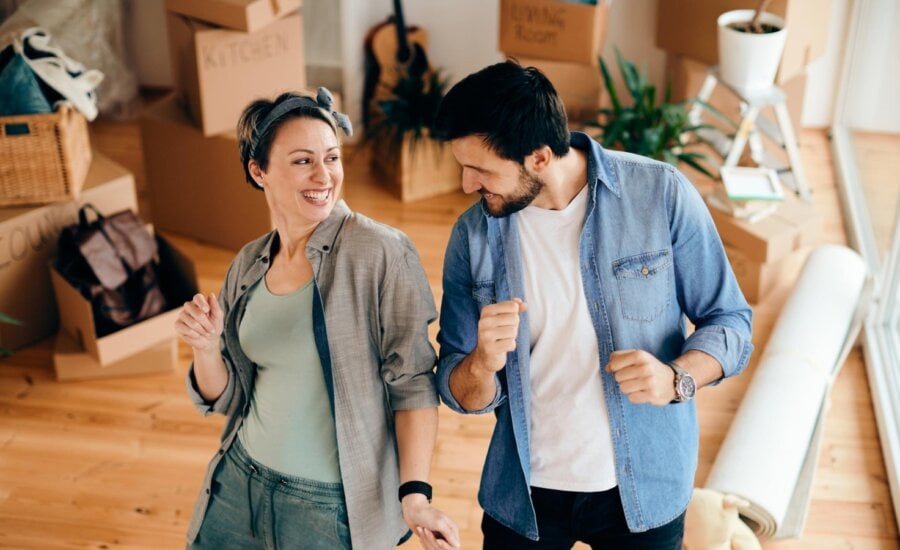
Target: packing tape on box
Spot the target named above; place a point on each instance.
(770, 453)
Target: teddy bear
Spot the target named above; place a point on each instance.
(712, 523)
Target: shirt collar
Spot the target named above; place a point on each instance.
(599, 167)
(324, 235)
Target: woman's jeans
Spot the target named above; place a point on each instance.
(252, 506)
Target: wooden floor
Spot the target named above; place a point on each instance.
(116, 463)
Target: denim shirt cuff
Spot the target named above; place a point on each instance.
(725, 344)
(447, 396)
(219, 406)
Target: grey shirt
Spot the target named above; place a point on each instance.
(377, 307)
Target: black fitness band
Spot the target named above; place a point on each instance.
(411, 487)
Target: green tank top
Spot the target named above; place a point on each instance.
(290, 427)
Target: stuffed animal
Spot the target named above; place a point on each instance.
(712, 523)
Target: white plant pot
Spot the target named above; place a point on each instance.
(748, 62)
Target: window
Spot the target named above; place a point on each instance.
(866, 146)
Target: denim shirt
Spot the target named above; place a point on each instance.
(650, 259)
(372, 305)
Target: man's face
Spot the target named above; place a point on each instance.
(505, 185)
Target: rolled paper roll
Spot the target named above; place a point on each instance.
(769, 454)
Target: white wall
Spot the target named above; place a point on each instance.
(823, 73)
(875, 89)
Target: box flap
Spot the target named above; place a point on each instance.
(70, 362)
(242, 15)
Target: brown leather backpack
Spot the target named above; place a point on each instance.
(113, 261)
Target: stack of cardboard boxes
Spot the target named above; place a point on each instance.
(28, 246)
(564, 40)
(688, 31)
(225, 54)
(759, 251)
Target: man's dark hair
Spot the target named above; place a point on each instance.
(515, 109)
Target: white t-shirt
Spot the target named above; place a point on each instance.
(571, 445)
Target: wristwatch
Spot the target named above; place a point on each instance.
(685, 387)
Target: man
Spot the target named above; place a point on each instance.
(566, 293)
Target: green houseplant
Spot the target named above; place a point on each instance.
(661, 131)
(409, 111)
(404, 155)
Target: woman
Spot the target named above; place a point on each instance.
(317, 352)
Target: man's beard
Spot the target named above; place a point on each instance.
(529, 187)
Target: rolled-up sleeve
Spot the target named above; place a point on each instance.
(707, 289)
(406, 307)
(459, 321)
(223, 405)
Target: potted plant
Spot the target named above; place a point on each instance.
(750, 46)
(403, 153)
(4, 318)
(661, 131)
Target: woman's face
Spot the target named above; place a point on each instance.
(304, 177)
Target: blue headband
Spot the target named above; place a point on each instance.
(323, 101)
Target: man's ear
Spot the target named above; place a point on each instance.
(539, 159)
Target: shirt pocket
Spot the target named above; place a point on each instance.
(644, 282)
(483, 293)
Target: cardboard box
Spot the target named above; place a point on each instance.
(689, 28)
(425, 171)
(687, 75)
(580, 86)
(196, 184)
(221, 71)
(795, 224)
(28, 239)
(242, 15)
(755, 279)
(553, 29)
(178, 281)
(70, 362)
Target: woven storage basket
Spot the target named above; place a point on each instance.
(43, 158)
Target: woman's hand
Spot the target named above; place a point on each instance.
(200, 323)
(435, 529)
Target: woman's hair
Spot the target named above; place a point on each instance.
(261, 119)
(514, 109)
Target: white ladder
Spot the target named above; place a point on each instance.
(782, 133)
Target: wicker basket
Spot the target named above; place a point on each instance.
(43, 158)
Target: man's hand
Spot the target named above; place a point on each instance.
(435, 530)
(642, 377)
(497, 330)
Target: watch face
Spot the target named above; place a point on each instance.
(686, 388)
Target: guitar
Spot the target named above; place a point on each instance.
(393, 51)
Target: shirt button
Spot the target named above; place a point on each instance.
(265, 259)
(326, 248)
(243, 287)
(645, 271)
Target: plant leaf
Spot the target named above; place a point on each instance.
(610, 87)
(692, 162)
(4, 318)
